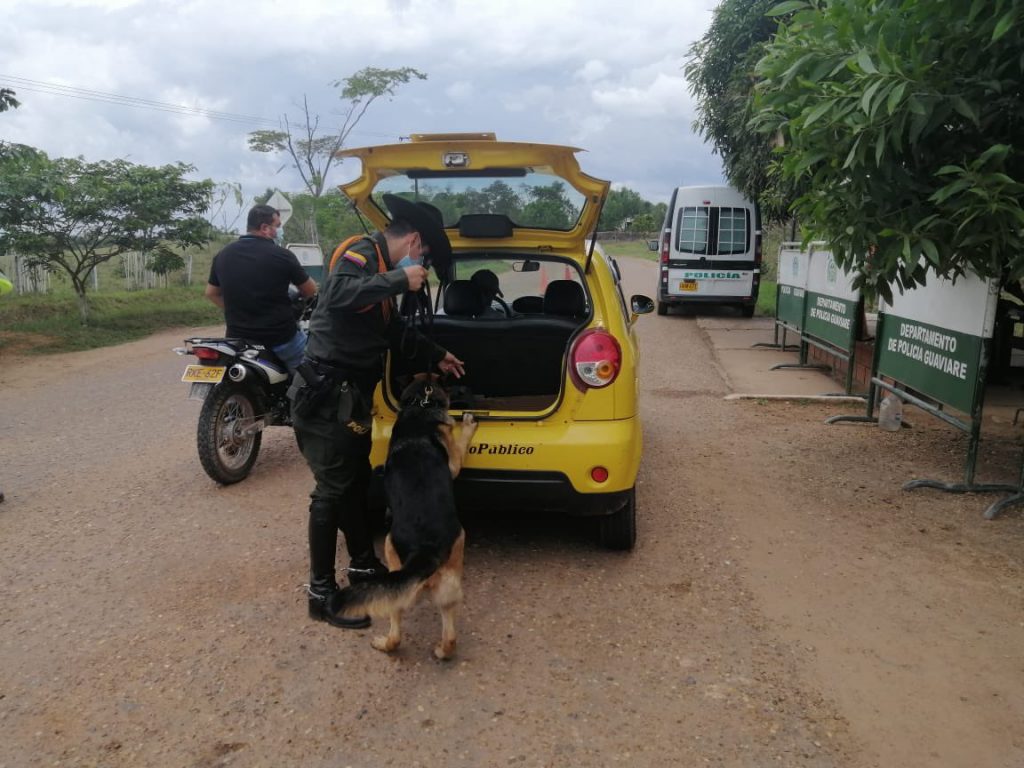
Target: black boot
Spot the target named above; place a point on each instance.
(365, 567)
(323, 545)
(321, 609)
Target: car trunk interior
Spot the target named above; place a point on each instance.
(512, 363)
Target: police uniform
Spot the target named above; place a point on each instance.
(355, 322)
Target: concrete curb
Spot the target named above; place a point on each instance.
(821, 398)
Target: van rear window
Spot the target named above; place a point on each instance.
(713, 230)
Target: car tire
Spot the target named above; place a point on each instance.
(662, 308)
(618, 530)
(748, 311)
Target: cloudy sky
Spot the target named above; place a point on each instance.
(603, 75)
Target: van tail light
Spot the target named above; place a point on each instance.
(664, 247)
(757, 250)
(205, 353)
(594, 360)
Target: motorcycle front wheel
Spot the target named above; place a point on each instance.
(228, 444)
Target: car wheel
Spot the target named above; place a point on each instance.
(662, 308)
(748, 311)
(618, 530)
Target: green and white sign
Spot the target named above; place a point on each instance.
(832, 302)
(792, 284)
(931, 338)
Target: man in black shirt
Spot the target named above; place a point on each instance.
(249, 280)
(355, 322)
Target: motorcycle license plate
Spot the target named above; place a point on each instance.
(203, 374)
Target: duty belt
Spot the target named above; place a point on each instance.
(329, 371)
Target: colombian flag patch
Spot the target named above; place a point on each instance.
(357, 258)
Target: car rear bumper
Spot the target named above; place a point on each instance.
(685, 298)
(508, 491)
(548, 464)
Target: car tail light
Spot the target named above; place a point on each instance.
(664, 247)
(594, 360)
(205, 353)
(599, 474)
(757, 250)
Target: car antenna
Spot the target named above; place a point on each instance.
(593, 237)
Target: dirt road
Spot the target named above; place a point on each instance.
(786, 603)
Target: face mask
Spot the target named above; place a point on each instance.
(409, 261)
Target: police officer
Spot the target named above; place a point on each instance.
(354, 324)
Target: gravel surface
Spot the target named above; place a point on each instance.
(786, 604)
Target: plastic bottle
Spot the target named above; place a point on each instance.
(890, 413)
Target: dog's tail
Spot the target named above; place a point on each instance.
(387, 592)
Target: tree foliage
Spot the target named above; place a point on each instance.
(335, 219)
(311, 146)
(625, 205)
(720, 73)
(7, 100)
(67, 215)
(901, 121)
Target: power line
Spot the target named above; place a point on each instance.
(56, 89)
(38, 86)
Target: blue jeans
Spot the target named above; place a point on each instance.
(291, 351)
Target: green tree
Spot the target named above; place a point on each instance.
(902, 121)
(311, 146)
(550, 207)
(720, 73)
(621, 204)
(226, 201)
(7, 100)
(67, 215)
(625, 206)
(335, 219)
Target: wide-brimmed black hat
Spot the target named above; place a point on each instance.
(428, 221)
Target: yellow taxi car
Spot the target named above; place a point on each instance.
(537, 313)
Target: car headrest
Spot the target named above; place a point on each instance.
(528, 305)
(463, 299)
(565, 297)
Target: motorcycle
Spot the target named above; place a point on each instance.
(243, 388)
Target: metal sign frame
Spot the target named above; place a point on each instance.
(910, 386)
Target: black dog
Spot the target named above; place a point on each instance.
(424, 548)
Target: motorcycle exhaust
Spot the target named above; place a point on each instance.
(237, 372)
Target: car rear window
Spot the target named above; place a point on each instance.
(530, 197)
(713, 230)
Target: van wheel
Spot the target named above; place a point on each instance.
(748, 311)
(662, 308)
(618, 530)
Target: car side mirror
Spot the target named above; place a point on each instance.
(652, 245)
(640, 304)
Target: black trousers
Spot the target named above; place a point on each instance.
(338, 453)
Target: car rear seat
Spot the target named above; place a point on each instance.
(507, 356)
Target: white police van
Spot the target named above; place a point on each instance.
(710, 250)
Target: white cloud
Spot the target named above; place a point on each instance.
(460, 91)
(664, 96)
(592, 74)
(592, 71)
